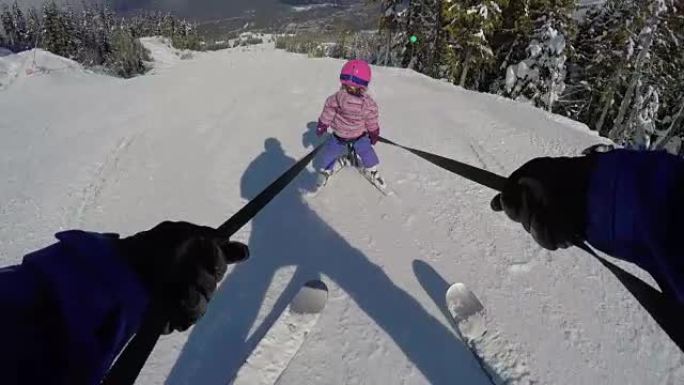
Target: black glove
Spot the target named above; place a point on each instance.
(548, 197)
(181, 264)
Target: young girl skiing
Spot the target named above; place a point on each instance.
(353, 117)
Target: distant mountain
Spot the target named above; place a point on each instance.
(302, 2)
(299, 16)
(213, 9)
(310, 2)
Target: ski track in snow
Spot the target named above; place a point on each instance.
(190, 142)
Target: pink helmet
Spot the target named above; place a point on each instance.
(356, 73)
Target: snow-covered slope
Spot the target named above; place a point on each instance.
(198, 138)
(17, 67)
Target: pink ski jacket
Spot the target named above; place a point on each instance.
(350, 116)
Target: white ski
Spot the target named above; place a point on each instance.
(501, 362)
(382, 187)
(344, 162)
(467, 313)
(280, 345)
(324, 180)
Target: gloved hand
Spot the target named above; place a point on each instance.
(548, 197)
(321, 128)
(374, 136)
(181, 264)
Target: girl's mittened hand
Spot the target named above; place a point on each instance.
(321, 128)
(374, 136)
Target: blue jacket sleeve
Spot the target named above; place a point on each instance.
(67, 311)
(635, 211)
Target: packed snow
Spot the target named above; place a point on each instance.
(196, 139)
(163, 53)
(16, 67)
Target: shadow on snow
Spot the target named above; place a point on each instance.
(436, 287)
(287, 233)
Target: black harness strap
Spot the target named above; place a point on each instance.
(477, 175)
(663, 308)
(129, 364)
(251, 209)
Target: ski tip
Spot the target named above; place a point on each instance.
(462, 302)
(311, 298)
(316, 284)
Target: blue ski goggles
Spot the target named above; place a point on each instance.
(354, 80)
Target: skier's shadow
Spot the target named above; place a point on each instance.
(310, 139)
(436, 287)
(287, 233)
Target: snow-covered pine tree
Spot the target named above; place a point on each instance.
(21, 38)
(469, 26)
(509, 43)
(158, 19)
(7, 21)
(393, 22)
(34, 27)
(641, 123)
(99, 29)
(667, 74)
(540, 78)
(92, 36)
(185, 36)
(89, 52)
(58, 31)
(604, 53)
(623, 125)
(425, 22)
(4, 43)
(168, 26)
(103, 27)
(144, 24)
(128, 55)
(52, 26)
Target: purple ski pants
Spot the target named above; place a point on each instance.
(337, 147)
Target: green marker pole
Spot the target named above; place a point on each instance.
(413, 39)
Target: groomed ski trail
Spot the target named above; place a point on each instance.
(205, 135)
